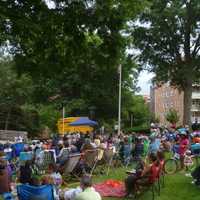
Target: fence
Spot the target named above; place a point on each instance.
(11, 135)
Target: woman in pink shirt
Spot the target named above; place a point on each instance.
(183, 147)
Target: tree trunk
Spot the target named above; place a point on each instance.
(187, 103)
(7, 119)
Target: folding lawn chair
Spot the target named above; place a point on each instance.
(65, 155)
(108, 158)
(100, 163)
(7, 196)
(25, 156)
(27, 192)
(71, 165)
(48, 157)
(90, 160)
(153, 184)
(154, 180)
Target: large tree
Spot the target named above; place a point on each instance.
(18, 109)
(71, 49)
(14, 92)
(168, 36)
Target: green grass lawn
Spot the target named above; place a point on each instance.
(177, 187)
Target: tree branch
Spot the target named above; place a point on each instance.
(187, 32)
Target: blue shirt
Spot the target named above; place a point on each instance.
(154, 146)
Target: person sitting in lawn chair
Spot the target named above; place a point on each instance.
(25, 173)
(144, 177)
(84, 192)
(53, 178)
(63, 156)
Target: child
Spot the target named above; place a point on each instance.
(56, 179)
(188, 161)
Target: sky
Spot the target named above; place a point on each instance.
(144, 82)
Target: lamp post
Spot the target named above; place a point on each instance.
(120, 95)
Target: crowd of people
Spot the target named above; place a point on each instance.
(21, 161)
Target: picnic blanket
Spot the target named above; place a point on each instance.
(111, 188)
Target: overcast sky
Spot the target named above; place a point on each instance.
(144, 82)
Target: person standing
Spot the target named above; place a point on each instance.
(195, 125)
(5, 184)
(183, 147)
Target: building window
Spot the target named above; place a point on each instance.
(164, 106)
(175, 103)
(167, 105)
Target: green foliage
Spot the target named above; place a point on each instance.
(13, 90)
(30, 120)
(172, 116)
(17, 110)
(170, 26)
(48, 116)
(139, 129)
(169, 41)
(155, 119)
(71, 51)
(135, 107)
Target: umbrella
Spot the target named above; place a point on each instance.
(83, 121)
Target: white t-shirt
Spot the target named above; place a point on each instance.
(7, 150)
(72, 193)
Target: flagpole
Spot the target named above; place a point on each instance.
(120, 94)
(63, 115)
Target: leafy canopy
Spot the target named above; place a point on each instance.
(168, 36)
(172, 116)
(71, 50)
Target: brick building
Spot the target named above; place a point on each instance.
(165, 97)
(195, 110)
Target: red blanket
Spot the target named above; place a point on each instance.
(110, 188)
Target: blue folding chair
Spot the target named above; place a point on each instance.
(24, 156)
(27, 192)
(7, 196)
(18, 147)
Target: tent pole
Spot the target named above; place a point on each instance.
(63, 115)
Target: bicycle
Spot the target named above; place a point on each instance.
(172, 165)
